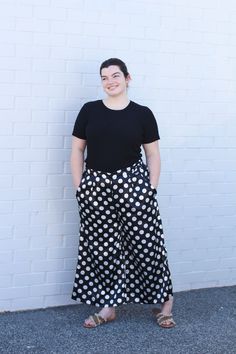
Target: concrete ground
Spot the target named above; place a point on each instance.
(206, 323)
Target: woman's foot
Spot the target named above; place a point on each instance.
(107, 314)
(164, 316)
(166, 308)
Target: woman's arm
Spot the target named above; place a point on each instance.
(77, 159)
(153, 159)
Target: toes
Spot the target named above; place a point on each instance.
(168, 323)
(89, 322)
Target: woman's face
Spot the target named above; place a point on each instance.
(113, 81)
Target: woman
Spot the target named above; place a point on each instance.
(122, 258)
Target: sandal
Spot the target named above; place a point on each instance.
(98, 320)
(164, 321)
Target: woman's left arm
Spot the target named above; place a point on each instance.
(153, 160)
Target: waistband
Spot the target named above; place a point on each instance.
(125, 169)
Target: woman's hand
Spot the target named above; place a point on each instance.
(153, 160)
(77, 160)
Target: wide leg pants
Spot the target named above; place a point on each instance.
(121, 257)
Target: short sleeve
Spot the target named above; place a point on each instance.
(150, 130)
(80, 124)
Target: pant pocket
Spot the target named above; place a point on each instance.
(83, 178)
(144, 172)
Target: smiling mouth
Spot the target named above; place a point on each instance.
(112, 87)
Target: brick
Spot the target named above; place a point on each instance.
(76, 91)
(14, 292)
(61, 180)
(67, 142)
(184, 177)
(77, 14)
(73, 4)
(88, 6)
(16, 10)
(83, 41)
(30, 206)
(46, 142)
(30, 129)
(30, 155)
(124, 7)
(48, 65)
(60, 300)
(27, 303)
(223, 187)
(7, 76)
(65, 288)
(67, 27)
(30, 254)
(66, 229)
(47, 193)
(172, 188)
(15, 268)
(65, 205)
(71, 241)
(47, 266)
(181, 267)
(16, 142)
(49, 13)
(8, 50)
(45, 241)
(32, 24)
(48, 90)
(30, 279)
(16, 194)
(46, 167)
(35, 77)
(18, 217)
(5, 305)
(67, 103)
(7, 23)
(5, 257)
(228, 263)
(29, 231)
(59, 129)
(45, 217)
(70, 264)
(58, 277)
(70, 216)
(6, 206)
(21, 115)
(5, 232)
(35, 103)
(23, 51)
(45, 289)
(47, 116)
(57, 39)
(63, 252)
(6, 129)
(6, 102)
(16, 38)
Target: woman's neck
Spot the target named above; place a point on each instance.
(116, 102)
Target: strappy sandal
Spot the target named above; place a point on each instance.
(98, 320)
(164, 321)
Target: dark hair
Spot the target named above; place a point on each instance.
(115, 61)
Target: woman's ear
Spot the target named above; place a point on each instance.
(128, 79)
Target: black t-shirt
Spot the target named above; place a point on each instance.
(114, 137)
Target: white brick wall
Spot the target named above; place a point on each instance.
(182, 59)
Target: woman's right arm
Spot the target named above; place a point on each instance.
(77, 159)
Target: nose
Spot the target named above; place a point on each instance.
(110, 80)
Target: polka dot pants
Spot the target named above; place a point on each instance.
(122, 257)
